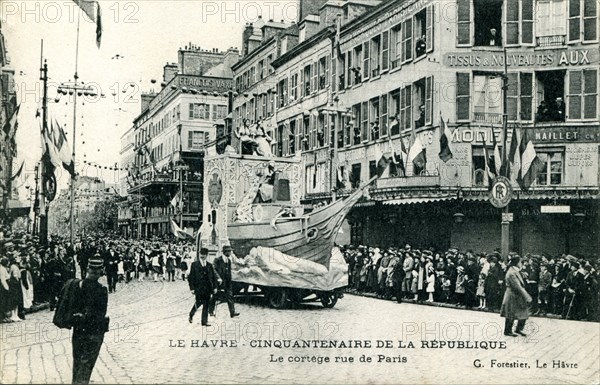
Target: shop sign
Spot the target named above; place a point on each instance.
(202, 83)
(501, 192)
(527, 59)
(566, 134)
(555, 209)
(507, 217)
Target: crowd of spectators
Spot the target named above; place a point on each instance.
(32, 274)
(563, 285)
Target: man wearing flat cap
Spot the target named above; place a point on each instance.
(203, 282)
(223, 268)
(90, 321)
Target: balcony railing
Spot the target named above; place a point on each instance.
(488, 117)
(551, 41)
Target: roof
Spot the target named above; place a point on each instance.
(325, 33)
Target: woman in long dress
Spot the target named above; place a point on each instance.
(26, 285)
(263, 141)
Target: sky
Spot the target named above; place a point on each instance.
(145, 34)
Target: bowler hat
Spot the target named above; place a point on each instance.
(227, 248)
(204, 251)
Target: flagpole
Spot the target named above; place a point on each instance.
(44, 207)
(75, 78)
(505, 224)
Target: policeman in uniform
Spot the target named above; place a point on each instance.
(90, 322)
(223, 269)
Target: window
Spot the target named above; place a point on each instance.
(385, 50)
(292, 138)
(252, 75)
(282, 92)
(479, 167)
(551, 22)
(322, 73)
(550, 95)
(364, 114)
(314, 86)
(487, 98)
(279, 140)
(374, 127)
(551, 172)
(407, 45)
(372, 168)
(583, 20)
(342, 76)
(349, 70)
(261, 69)
(463, 96)
(583, 94)
(487, 17)
(464, 22)
(396, 46)
(375, 55)
(356, 110)
(307, 77)
(268, 64)
(294, 88)
(420, 30)
(197, 139)
(219, 112)
(395, 112)
(406, 108)
(520, 96)
(199, 111)
(366, 62)
(355, 175)
(383, 118)
(358, 60)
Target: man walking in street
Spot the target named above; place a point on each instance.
(203, 284)
(111, 260)
(223, 269)
(90, 322)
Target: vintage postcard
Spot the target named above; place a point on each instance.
(300, 191)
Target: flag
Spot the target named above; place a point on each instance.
(54, 142)
(514, 156)
(175, 201)
(445, 135)
(497, 156)
(178, 232)
(94, 13)
(18, 172)
(383, 165)
(531, 164)
(488, 170)
(10, 127)
(416, 153)
(403, 157)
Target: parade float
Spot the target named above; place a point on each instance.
(253, 204)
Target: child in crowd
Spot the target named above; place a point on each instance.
(481, 291)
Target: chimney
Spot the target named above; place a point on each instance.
(246, 35)
(169, 71)
(146, 99)
(309, 7)
(329, 13)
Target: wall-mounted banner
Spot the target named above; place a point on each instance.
(521, 59)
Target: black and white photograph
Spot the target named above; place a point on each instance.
(299, 192)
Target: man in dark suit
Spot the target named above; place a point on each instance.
(203, 284)
(111, 261)
(223, 268)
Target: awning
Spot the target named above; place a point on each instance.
(17, 208)
(414, 200)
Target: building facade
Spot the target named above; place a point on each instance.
(175, 128)
(386, 75)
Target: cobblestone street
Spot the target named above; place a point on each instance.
(148, 319)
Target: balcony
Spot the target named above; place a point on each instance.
(550, 41)
(488, 117)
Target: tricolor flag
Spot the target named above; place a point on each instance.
(416, 153)
(18, 172)
(92, 10)
(175, 202)
(178, 232)
(496, 151)
(445, 135)
(514, 156)
(488, 170)
(530, 163)
(10, 127)
(54, 142)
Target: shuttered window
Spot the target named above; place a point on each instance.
(526, 95)
(575, 94)
(385, 50)
(463, 95)
(512, 22)
(583, 94)
(527, 21)
(366, 52)
(590, 20)
(429, 100)
(429, 27)
(407, 46)
(464, 23)
(574, 20)
(590, 94)
(512, 97)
